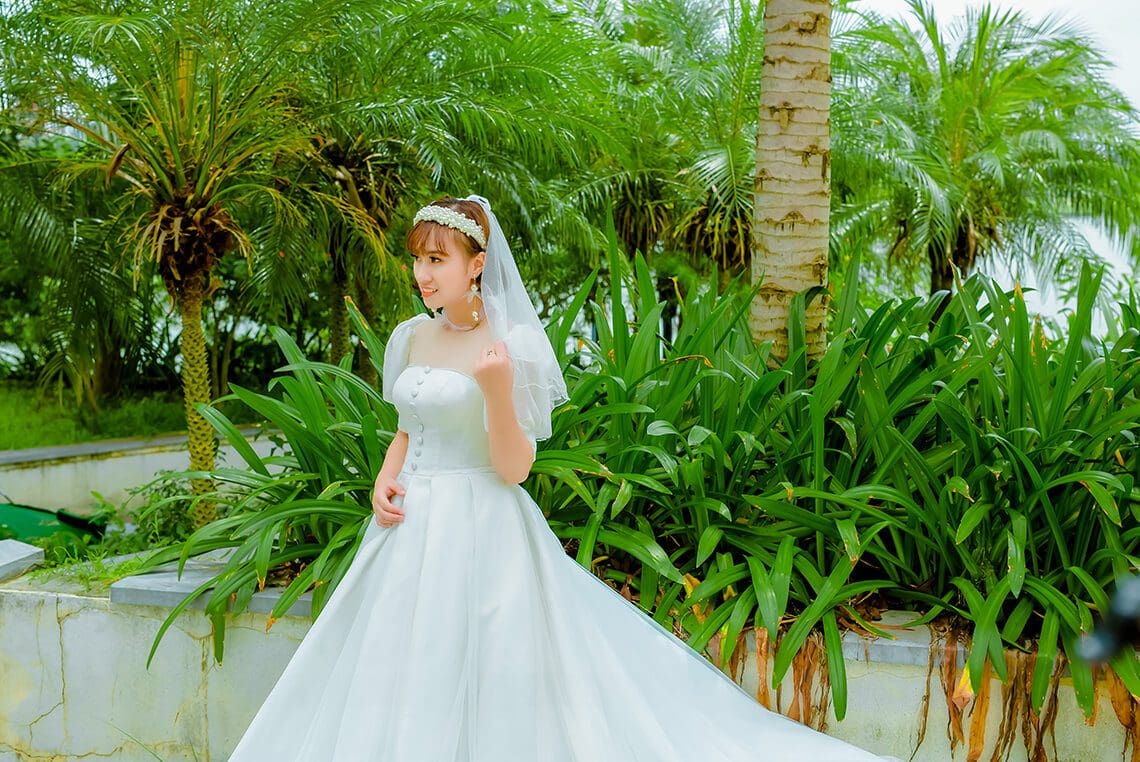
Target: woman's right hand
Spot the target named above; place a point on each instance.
(385, 491)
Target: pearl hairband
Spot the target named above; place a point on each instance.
(451, 219)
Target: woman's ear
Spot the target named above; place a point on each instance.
(479, 260)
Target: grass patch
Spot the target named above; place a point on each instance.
(29, 418)
(152, 516)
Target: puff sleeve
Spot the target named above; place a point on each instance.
(396, 353)
(533, 399)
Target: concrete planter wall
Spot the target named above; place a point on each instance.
(73, 682)
(65, 476)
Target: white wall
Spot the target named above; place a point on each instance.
(65, 477)
(73, 682)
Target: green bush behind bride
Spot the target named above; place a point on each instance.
(969, 467)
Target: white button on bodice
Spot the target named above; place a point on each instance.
(444, 423)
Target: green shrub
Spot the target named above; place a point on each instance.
(967, 465)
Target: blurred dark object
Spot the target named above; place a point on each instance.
(26, 522)
(1120, 627)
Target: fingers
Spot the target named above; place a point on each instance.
(383, 493)
(499, 348)
(386, 519)
(387, 512)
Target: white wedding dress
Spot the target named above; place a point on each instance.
(466, 634)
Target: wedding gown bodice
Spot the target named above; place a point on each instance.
(443, 413)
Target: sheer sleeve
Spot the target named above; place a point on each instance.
(396, 352)
(533, 396)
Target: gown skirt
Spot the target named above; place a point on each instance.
(465, 633)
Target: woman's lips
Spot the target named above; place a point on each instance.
(427, 291)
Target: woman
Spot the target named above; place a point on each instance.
(462, 630)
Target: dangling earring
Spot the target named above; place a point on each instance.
(471, 294)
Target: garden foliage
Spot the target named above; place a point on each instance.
(971, 468)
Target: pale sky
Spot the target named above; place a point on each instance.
(1112, 25)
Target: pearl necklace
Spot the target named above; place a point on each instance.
(447, 323)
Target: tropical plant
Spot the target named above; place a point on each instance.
(190, 108)
(967, 467)
(74, 314)
(691, 86)
(490, 113)
(991, 137)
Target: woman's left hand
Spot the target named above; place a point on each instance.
(493, 369)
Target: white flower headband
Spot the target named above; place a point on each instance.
(451, 219)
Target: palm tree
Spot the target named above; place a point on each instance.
(490, 110)
(793, 172)
(59, 243)
(686, 80)
(991, 137)
(193, 108)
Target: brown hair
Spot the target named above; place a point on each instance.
(425, 235)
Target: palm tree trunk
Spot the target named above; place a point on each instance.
(367, 306)
(941, 274)
(108, 374)
(340, 341)
(943, 261)
(227, 359)
(196, 389)
(793, 171)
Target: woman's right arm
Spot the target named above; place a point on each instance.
(386, 485)
(394, 458)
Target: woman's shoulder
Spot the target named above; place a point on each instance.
(401, 337)
(410, 324)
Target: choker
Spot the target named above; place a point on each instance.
(455, 326)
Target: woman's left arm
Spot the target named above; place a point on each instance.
(512, 454)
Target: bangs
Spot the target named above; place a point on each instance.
(431, 236)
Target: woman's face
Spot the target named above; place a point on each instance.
(444, 272)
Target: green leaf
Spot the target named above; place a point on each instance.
(836, 667)
(1104, 500)
(823, 602)
(585, 555)
(970, 520)
(1046, 657)
(698, 434)
(624, 493)
(772, 589)
(708, 543)
(850, 536)
(236, 439)
(218, 630)
(642, 547)
(1015, 551)
(1081, 672)
(661, 428)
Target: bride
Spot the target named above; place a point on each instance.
(462, 632)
